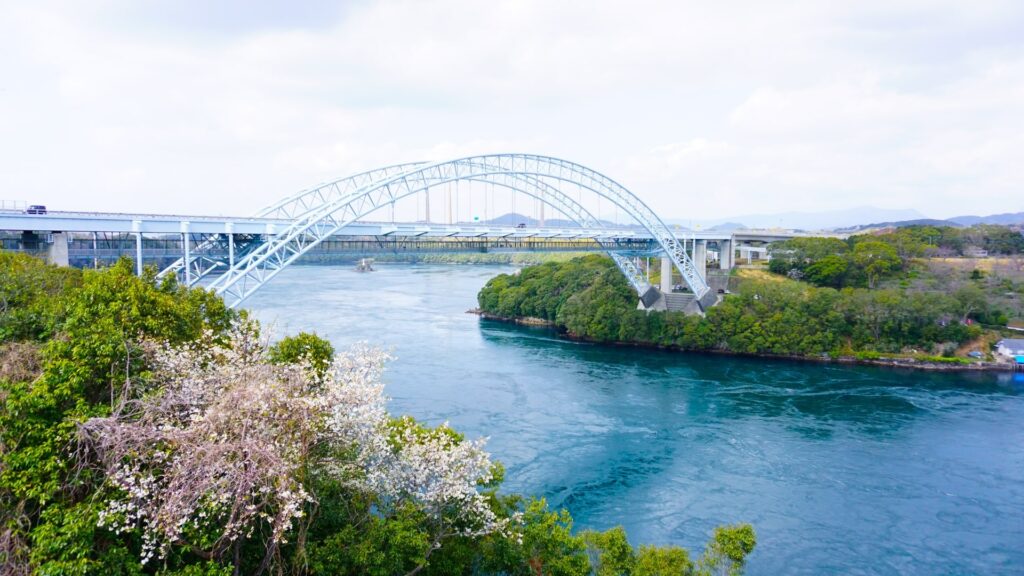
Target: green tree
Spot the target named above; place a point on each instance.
(31, 303)
(728, 550)
(304, 347)
(610, 552)
(828, 271)
(544, 546)
(971, 301)
(378, 546)
(662, 561)
(97, 327)
(875, 259)
(799, 253)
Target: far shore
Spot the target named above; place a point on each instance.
(889, 362)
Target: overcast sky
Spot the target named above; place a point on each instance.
(704, 109)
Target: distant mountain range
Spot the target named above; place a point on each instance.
(850, 220)
(896, 224)
(1006, 218)
(804, 220)
(515, 219)
(959, 221)
(847, 221)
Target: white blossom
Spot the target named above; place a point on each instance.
(219, 439)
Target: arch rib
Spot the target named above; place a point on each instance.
(301, 203)
(298, 205)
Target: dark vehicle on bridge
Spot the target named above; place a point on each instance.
(36, 209)
(521, 225)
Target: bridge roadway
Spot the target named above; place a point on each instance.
(176, 224)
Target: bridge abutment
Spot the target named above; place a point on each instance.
(657, 301)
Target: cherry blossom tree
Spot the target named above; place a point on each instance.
(215, 447)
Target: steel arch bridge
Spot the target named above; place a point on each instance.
(320, 212)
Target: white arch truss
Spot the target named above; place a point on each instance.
(293, 207)
(321, 212)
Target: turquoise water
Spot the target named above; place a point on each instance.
(842, 470)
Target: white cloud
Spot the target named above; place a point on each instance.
(705, 110)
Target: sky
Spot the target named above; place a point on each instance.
(703, 109)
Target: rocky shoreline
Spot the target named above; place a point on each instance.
(889, 362)
(524, 321)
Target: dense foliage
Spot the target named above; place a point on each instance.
(950, 241)
(863, 259)
(29, 296)
(833, 262)
(147, 429)
(591, 299)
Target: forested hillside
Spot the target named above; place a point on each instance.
(589, 298)
(987, 283)
(865, 259)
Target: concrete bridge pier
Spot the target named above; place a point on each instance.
(752, 253)
(137, 231)
(725, 254)
(57, 253)
(662, 297)
(700, 257)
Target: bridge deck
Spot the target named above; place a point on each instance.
(171, 224)
(176, 223)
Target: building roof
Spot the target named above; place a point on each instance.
(1012, 343)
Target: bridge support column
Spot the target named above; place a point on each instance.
(231, 246)
(138, 253)
(700, 257)
(57, 253)
(137, 229)
(725, 254)
(185, 243)
(666, 275)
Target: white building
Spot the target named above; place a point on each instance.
(1011, 348)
